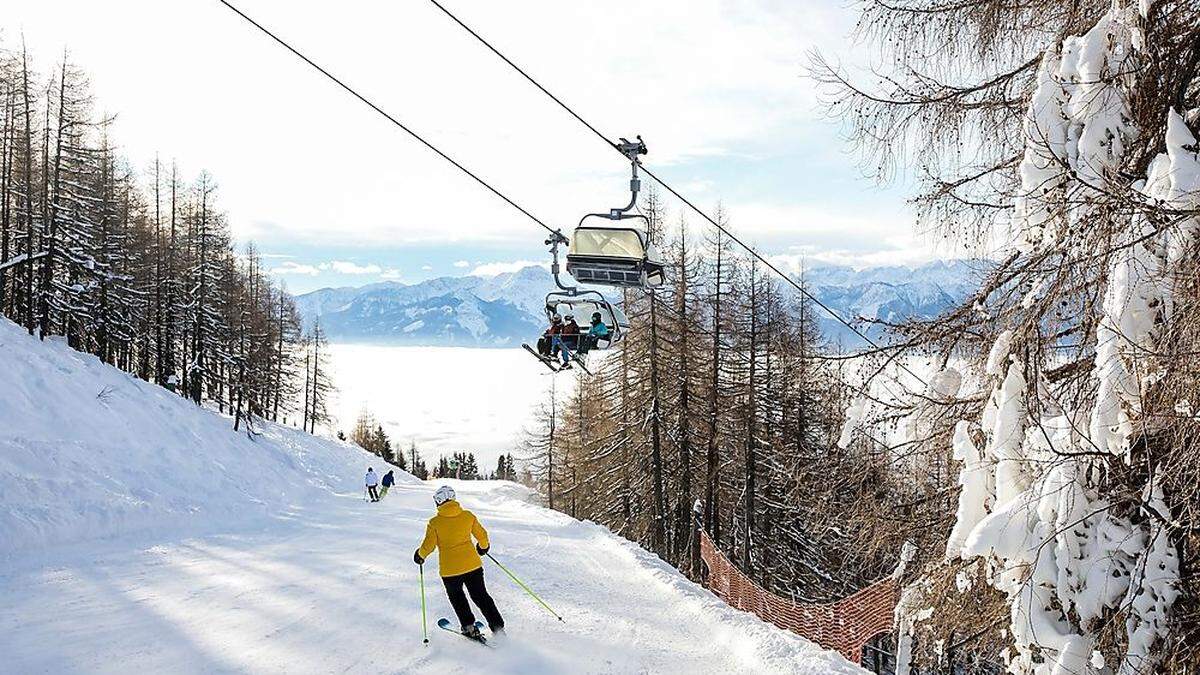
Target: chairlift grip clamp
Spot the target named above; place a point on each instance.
(556, 237)
(631, 149)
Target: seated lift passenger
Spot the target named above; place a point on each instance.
(595, 334)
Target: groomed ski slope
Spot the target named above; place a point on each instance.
(139, 534)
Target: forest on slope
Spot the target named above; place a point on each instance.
(136, 264)
(725, 393)
(1043, 458)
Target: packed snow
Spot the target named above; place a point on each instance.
(142, 534)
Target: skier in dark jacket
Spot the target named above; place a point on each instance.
(570, 332)
(569, 339)
(388, 481)
(555, 341)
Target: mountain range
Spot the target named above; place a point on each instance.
(889, 293)
(506, 310)
(469, 311)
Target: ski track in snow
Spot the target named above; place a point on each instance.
(335, 590)
(142, 535)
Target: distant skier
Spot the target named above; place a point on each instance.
(388, 481)
(372, 484)
(459, 560)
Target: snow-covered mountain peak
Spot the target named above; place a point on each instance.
(507, 309)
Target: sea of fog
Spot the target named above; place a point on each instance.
(457, 399)
(447, 399)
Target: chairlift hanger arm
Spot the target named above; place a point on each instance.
(711, 221)
(608, 216)
(631, 150)
(555, 240)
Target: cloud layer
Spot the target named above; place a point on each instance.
(336, 267)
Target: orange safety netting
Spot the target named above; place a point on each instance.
(844, 626)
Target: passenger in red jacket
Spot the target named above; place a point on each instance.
(546, 343)
(570, 332)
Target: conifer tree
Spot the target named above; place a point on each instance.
(139, 271)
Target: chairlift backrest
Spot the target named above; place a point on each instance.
(608, 242)
(613, 256)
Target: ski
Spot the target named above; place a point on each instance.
(576, 358)
(444, 624)
(540, 357)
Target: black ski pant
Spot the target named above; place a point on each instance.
(374, 490)
(479, 595)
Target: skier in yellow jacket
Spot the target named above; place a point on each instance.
(459, 560)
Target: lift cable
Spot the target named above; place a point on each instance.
(386, 116)
(749, 249)
(514, 204)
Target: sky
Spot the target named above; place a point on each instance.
(333, 195)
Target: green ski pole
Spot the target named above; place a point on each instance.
(527, 589)
(424, 626)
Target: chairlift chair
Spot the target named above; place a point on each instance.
(582, 304)
(618, 253)
(614, 255)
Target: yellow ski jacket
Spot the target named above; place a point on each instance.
(450, 533)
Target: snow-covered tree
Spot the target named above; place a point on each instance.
(1062, 135)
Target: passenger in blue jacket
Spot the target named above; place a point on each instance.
(595, 334)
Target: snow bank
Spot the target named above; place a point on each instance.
(89, 452)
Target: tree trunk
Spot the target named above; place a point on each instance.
(751, 411)
(658, 530)
(29, 230)
(711, 494)
(684, 433)
(6, 161)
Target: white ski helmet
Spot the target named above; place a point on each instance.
(443, 495)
